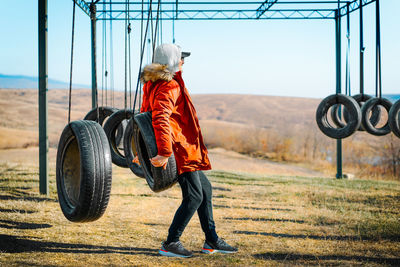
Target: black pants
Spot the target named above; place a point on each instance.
(197, 195)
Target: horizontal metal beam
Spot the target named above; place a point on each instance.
(221, 14)
(353, 6)
(83, 5)
(201, 10)
(225, 3)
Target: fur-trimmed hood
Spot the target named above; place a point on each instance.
(154, 72)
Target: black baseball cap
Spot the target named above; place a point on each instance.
(185, 54)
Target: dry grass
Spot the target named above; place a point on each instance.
(274, 220)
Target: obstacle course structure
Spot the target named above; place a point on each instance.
(186, 11)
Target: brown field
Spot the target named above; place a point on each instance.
(277, 213)
(274, 220)
(281, 129)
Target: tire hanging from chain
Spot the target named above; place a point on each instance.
(130, 150)
(394, 118)
(378, 100)
(83, 167)
(142, 132)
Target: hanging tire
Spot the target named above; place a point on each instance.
(366, 122)
(110, 127)
(360, 99)
(104, 112)
(354, 116)
(83, 171)
(157, 178)
(394, 118)
(119, 136)
(130, 149)
(336, 118)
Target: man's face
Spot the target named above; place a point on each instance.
(181, 63)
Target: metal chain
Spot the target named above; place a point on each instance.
(71, 66)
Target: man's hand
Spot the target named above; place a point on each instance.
(159, 161)
(136, 160)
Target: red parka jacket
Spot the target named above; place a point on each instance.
(175, 123)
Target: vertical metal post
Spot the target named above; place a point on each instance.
(378, 81)
(93, 46)
(43, 134)
(339, 173)
(348, 81)
(362, 48)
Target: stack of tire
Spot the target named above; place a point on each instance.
(85, 153)
(360, 113)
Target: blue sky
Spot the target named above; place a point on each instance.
(268, 57)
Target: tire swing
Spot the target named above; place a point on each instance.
(378, 100)
(354, 116)
(360, 99)
(157, 178)
(104, 113)
(394, 118)
(110, 127)
(83, 166)
(367, 122)
(130, 150)
(84, 171)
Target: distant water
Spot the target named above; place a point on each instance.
(392, 98)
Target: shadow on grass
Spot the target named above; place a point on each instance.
(22, 225)
(26, 197)
(263, 219)
(17, 244)
(25, 180)
(17, 211)
(317, 237)
(221, 188)
(249, 208)
(319, 258)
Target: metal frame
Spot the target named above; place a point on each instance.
(202, 10)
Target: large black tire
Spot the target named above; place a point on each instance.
(361, 99)
(130, 149)
(104, 112)
(157, 178)
(83, 171)
(394, 118)
(110, 127)
(366, 122)
(354, 116)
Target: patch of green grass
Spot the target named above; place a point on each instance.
(273, 220)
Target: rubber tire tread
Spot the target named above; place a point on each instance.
(366, 109)
(158, 178)
(361, 99)
(354, 112)
(104, 112)
(130, 131)
(394, 118)
(110, 128)
(95, 172)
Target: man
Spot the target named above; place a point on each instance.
(177, 130)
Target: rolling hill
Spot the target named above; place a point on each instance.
(19, 111)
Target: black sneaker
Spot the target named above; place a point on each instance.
(174, 249)
(218, 246)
